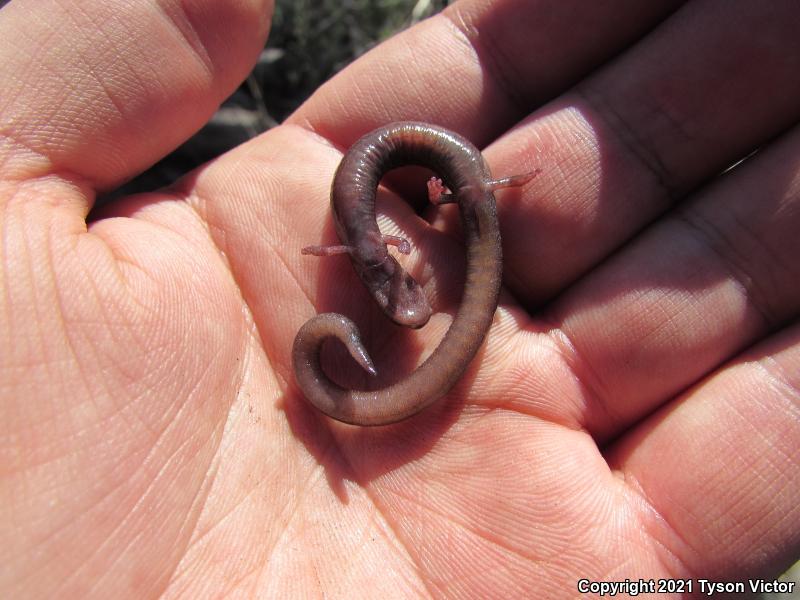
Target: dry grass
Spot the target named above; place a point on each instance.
(310, 41)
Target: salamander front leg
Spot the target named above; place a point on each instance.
(402, 244)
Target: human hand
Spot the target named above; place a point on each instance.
(154, 441)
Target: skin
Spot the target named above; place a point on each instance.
(395, 291)
(635, 410)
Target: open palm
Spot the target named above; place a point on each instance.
(633, 413)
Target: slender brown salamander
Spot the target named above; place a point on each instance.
(465, 173)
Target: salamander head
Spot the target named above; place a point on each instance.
(396, 292)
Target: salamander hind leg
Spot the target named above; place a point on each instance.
(512, 181)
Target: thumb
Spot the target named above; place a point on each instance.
(98, 91)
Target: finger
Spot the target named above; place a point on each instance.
(707, 281)
(719, 472)
(704, 89)
(473, 69)
(98, 91)
(477, 67)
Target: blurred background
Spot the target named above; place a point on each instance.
(310, 40)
